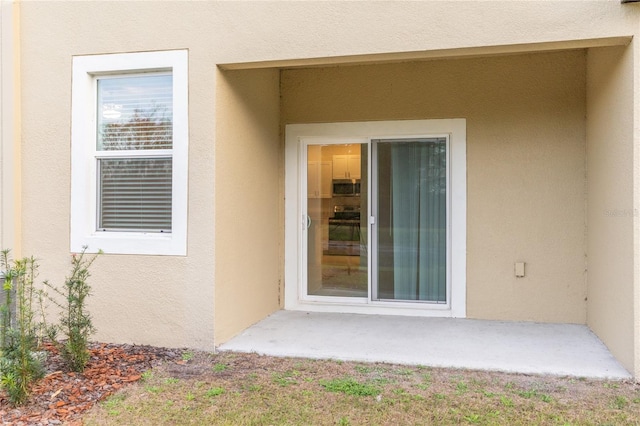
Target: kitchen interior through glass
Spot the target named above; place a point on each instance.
(337, 220)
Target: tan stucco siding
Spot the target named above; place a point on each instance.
(161, 300)
(526, 132)
(10, 184)
(525, 163)
(611, 214)
(243, 32)
(248, 217)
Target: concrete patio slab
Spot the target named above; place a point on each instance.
(534, 348)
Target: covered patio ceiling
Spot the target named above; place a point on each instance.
(520, 347)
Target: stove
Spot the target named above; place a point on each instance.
(344, 231)
(346, 213)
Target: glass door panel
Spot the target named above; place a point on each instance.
(337, 220)
(411, 216)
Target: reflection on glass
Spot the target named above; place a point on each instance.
(337, 210)
(412, 237)
(135, 113)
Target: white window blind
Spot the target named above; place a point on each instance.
(135, 194)
(134, 153)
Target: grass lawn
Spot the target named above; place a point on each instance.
(239, 389)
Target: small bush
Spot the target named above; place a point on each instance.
(75, 321)
(19, 364)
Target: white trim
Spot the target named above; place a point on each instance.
(458, 176)
(83, 134)
(294, 274)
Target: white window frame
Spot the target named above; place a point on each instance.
(295, 221)
(84, 231)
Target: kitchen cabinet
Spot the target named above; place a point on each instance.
(346, 166)
(319, 179)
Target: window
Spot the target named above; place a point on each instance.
(129, 153)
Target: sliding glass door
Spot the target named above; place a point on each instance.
(375, 217)
(403, 206)
(410, 206)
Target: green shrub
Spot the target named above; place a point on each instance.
(75, 321)
(19, 364)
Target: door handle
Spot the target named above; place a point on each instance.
(308, 222)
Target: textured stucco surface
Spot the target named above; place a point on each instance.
(10, 196)
(525, 163)
(162, 300)
(611, 214)
(526, 146)
(248, 218)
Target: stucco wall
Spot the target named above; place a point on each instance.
(10, 126)
(170, 300)
(161, 300)
(525, 163)
(611, 210)
(248, 216)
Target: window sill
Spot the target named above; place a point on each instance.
(132, 243)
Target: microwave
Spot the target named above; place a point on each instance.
(346, 187)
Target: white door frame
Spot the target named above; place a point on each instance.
(295, 221)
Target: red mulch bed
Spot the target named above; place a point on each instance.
(61, 396)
